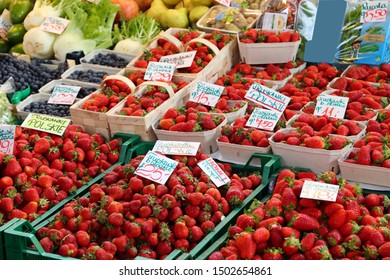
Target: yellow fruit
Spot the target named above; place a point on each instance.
(175, 18)
(171, 2)
(207, 3)
(156, 10)
(197, 12)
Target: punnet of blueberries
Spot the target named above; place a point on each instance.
(89, 76)
(24, 74)
(109, 59)
(42, 107)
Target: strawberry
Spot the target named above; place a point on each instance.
(364, 155)
(246, 245)
(320, 253)
(304, 222)
(384, 250)
(12, 167)
(273, 254)
(316, 142)
(41, 146)
(291, 245)
(273, 39)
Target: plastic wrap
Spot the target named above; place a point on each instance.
(6, 115)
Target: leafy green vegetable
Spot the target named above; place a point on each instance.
(141, 28)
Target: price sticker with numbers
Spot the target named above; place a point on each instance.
(54, 25)
(206, 94)
(156, 167)
(64, 94)
(263, 119)
(176, 147)
(319, 191)
(374, 11)
(216, 174)
(7, 138)
(267, 97)
(332, 106)
(182, 60)
(159, 71)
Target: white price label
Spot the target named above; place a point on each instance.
(319, 191)
(159, 71)
(64, 94)
(332, 106)
(54, 25)
(176, 148)
(7, 139)
(216, 174)
(182, 60)
(263, 119)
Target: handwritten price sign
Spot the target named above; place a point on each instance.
(159, 71)
(319, 191)
(7, 139)
(216, 174)
(45, 123)
(5, 24)
(263, 119)
(156, 167)
(267, 97)
(54, 25)
(64, 94)
(374, 11)
(182, 60)
(176, 148)
(224, 2)
(206, 94)
(332, 106)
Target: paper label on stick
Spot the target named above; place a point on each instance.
(176, 148)
(46, 123)
(216, 174)
(319, 191)
(7, 138)
(54, 25)
(182, 60)
(156, 167)
(64, 94)
(332, 106)
(159, 71)
(263, 119)
(207, 93)
(374, 11)
(267, 97)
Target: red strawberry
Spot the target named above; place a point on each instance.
(42, 145)
(304, 222)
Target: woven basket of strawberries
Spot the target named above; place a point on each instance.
(238, 144)
(325, 126)
(369, 73)
(266, 46)
(318, 153)
(181, 124)
(91, 111)
(138, 111)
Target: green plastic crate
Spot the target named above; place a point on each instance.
(269, 165)
(127, 142)
(2, 241)
(21, 236)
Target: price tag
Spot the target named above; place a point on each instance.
(216, 174)
(64, 94)
(182, 60)
(224, 2)
(54, 25)
(206, 93)
(159, 71)
(332, 106)
(7, 138)
(176, 148)
(267, 97)
(274, 21)
(156, 167)
(319, 191)
(45, 123)
(5, 24)
(374, 11)
(263, 119)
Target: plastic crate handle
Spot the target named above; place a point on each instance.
(269, 163)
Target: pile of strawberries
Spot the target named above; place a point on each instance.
(354, 227)
(221, 107)
(189, 120)
(381, 124)
(323, 125)
(127, 216)
(361, 100)
(270, 72)
(299, 97)
(140, 105)
(373, 74)
(305, 137)
(236, 134)
(346, 84)
(373, 150)
(236, 86)
(185, 36)
(112, 92)
(251, 36)
(217, 38)
(45, 169)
